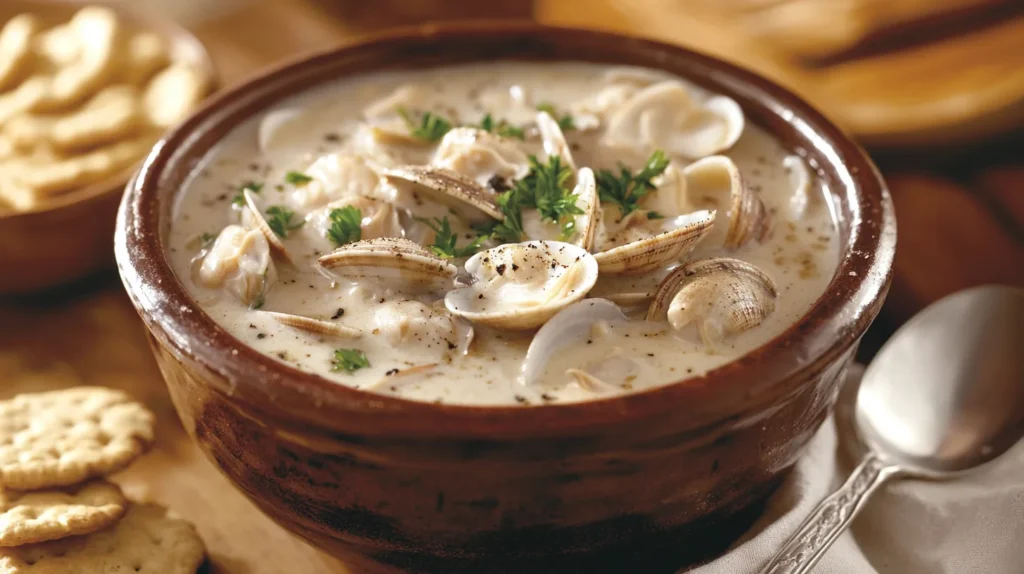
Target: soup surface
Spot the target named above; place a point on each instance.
(565, 232)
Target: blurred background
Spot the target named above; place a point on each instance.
(933, 88)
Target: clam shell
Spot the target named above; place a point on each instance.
(716, 179)
(567, 327)
(587, 200)
(522, 285)
(470, 200)
(658, 250)
(276, 245)
(393, 260)
(481, 155)
(722, 296)
(554, 140)
(312, 325)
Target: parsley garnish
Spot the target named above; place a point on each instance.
(431, 128)
(544, 188)
(502, 128)
(253, 186)
(280, 220)
(565, 122)
(346, 225)
(297, 178)
(444, 240)
(654, 215)
(349, 360)
(626, 189)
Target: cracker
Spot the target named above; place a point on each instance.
(101, 36)
(32, 517)
(114, 113)
(27, 131)
(24, 98)
(172, 94)
(148, 540)
(58, 46)
(60, 438)
(146, 53)
(48, 178)
(16, 48)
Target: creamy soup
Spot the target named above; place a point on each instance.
(507, 233)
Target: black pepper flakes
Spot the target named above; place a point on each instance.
(338, 314)
(500, 269)
(391, 372)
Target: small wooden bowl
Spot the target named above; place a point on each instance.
(70, 236)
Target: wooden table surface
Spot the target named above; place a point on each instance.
(961, 223)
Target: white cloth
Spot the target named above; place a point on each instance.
(972, 525)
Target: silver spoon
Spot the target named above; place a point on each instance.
(944, 395)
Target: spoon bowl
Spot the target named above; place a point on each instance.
(944, 396)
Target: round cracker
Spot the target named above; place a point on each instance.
(148, 540)
(61, 438)
(31, 517)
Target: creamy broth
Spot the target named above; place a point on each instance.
(413, 346)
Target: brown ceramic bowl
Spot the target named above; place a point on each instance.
(639, 483)
(69, 236)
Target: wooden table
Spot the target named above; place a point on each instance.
(959, 225)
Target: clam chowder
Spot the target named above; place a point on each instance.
(508, 233)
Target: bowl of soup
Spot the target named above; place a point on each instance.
(506, 297)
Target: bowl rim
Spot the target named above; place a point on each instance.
(822, 336)
(181, 40)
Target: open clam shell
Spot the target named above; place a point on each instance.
(468, 199)
(658, 250)
(392, 260)
(721, 296)
(255, 217)
(522, 285)
(315, 326)
(554, 140)
(569, 326)
(716, 180)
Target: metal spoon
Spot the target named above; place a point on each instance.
(943, 396)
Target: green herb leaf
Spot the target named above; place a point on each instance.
(431, 127)
(544, 188)
(346, 225)
(206, 240)
(297, 178)
(253, 186)
(444, 240)
(565, 122)
(349, 360)
(279, 219)
(654, 215)
(627, 189)
(502, 128)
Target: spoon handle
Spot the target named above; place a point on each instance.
(830, 518)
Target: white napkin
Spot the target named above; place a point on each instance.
(973, 525)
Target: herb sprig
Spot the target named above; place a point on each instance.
(627, 189)
(346, 225)
(444, 240)
(502, 128)
(431, 127)
(543, 188)
(349, 360)
(279, 218)
(297, 178)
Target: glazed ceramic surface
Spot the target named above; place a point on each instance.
(644, 482)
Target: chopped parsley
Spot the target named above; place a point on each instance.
(297, 178)
(349, 360)
(206, 240)
(502, 128)
(253, 186)
(544, 188)
(654, 215)
(346, 225)
(431, 127)
(444, 240)
(627, 189)
(280, 220)
(565, 121)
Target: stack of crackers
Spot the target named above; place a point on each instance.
(83, 101)
(58, 513)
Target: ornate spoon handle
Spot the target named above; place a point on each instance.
(831, 517)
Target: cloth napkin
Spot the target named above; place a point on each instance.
(972, 525)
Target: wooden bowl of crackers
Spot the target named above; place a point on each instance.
(85, 91)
